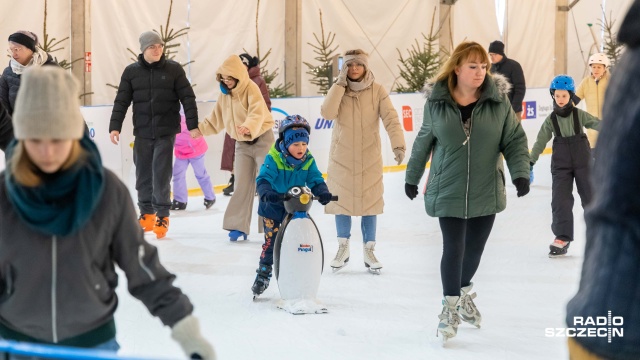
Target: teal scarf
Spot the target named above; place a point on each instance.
(65, 201)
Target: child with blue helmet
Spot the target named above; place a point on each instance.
(288, 163)
(570, 159)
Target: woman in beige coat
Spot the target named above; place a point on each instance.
(243, 114)
(357, 104)
(592, 89)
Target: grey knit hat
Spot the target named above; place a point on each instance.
(149, 38)
(47, 105)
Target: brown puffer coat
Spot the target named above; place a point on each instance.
(355, 158)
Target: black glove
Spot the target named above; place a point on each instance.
(411, 191)
(522, 185)
(325, 198)
(271, 196)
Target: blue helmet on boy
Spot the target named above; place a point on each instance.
(293, 121)
(562, 82)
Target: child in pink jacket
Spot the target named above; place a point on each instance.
(190, 151)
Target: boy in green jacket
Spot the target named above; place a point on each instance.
(569, 161)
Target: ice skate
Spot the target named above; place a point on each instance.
(209, 203)
(262, 280)
(161, 227)
(237, 235)
(449, 318)
(177, 205)
(468, 310)
(558, 248)
(147, 221)
(370, 261)
(342, 256)
(228, 191)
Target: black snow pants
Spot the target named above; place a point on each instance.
(570, 160)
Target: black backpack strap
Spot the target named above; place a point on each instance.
(554, 122)
(577, 128)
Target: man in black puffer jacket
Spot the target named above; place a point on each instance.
(512, 70)
(157, 86)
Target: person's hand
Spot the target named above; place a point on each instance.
(115, 136)
(522, 185)
(186, 332)
(399, 155)
(411, 191)
(195, 133)
(271, 196)
(243, 130)
(341, 80)
(324, 198)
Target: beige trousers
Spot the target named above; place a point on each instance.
(249, 159)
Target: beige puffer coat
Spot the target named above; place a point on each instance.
(245, 106)
(355, 158)
(593, 95)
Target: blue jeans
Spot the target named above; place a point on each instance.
(368, 225)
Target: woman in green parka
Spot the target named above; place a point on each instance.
(468, 123)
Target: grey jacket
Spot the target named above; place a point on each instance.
(57, 288)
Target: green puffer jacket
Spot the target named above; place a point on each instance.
(467, 174)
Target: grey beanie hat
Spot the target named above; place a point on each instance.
(47, 105)
(149, 38)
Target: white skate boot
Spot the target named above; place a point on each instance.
(370, 261)
(342, 257)
(449, 319)
(468, 310)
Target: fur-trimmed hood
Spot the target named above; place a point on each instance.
(494, 84)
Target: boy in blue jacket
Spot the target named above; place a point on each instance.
(288, 163)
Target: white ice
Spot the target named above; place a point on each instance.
(521, 291)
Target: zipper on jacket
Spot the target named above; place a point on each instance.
(142, 264)
(151, 103)
(466, 142)
(54, 284)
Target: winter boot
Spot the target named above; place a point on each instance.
(262, 279)
(370, 260)
(161, 227)
(228, 191)
(209, 203)
(558, 248)
(468, 310)
(449, 318)
(147, 221)
(342, 257)
(177, 205)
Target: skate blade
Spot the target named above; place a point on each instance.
(336, 269)
(374, 271)
(557, 255)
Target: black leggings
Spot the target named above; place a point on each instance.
(463, 244)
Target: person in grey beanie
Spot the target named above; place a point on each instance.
(158, 86)
(66, 221)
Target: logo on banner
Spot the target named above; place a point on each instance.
(407, 118)
(591, 326)
(529, 110)
(322, 123)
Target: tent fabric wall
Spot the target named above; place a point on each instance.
(475, 21)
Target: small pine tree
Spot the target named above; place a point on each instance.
(612, 47)
(422, 63)
(48, 45)
(322, 74)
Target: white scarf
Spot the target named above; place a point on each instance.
(38, 58)
(368, 78)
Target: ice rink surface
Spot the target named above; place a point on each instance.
(521, 291)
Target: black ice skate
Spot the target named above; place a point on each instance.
(177, 205)
(558, 248)
(209, 203)
(262, 280)
(228, 191)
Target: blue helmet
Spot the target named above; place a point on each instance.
(562, 82)
(293, 121)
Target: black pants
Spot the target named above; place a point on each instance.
(271, 228)
(463, 244)
(154, 166)
(570, 161)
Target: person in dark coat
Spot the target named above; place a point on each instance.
(65, 224)
(610, 281)
(24, 54)
(512, 70)
(229, 148)
(157, 86)
(6, 128)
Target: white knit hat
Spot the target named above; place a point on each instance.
(47, 105)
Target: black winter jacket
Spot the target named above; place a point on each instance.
(10, 83)
(156, 91)
(512, 70)
(6, 128)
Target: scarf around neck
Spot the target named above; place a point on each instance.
(66, 200)
(39, 58)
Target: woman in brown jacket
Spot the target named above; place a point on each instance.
(357, 104)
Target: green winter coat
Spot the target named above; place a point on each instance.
(467, 175)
